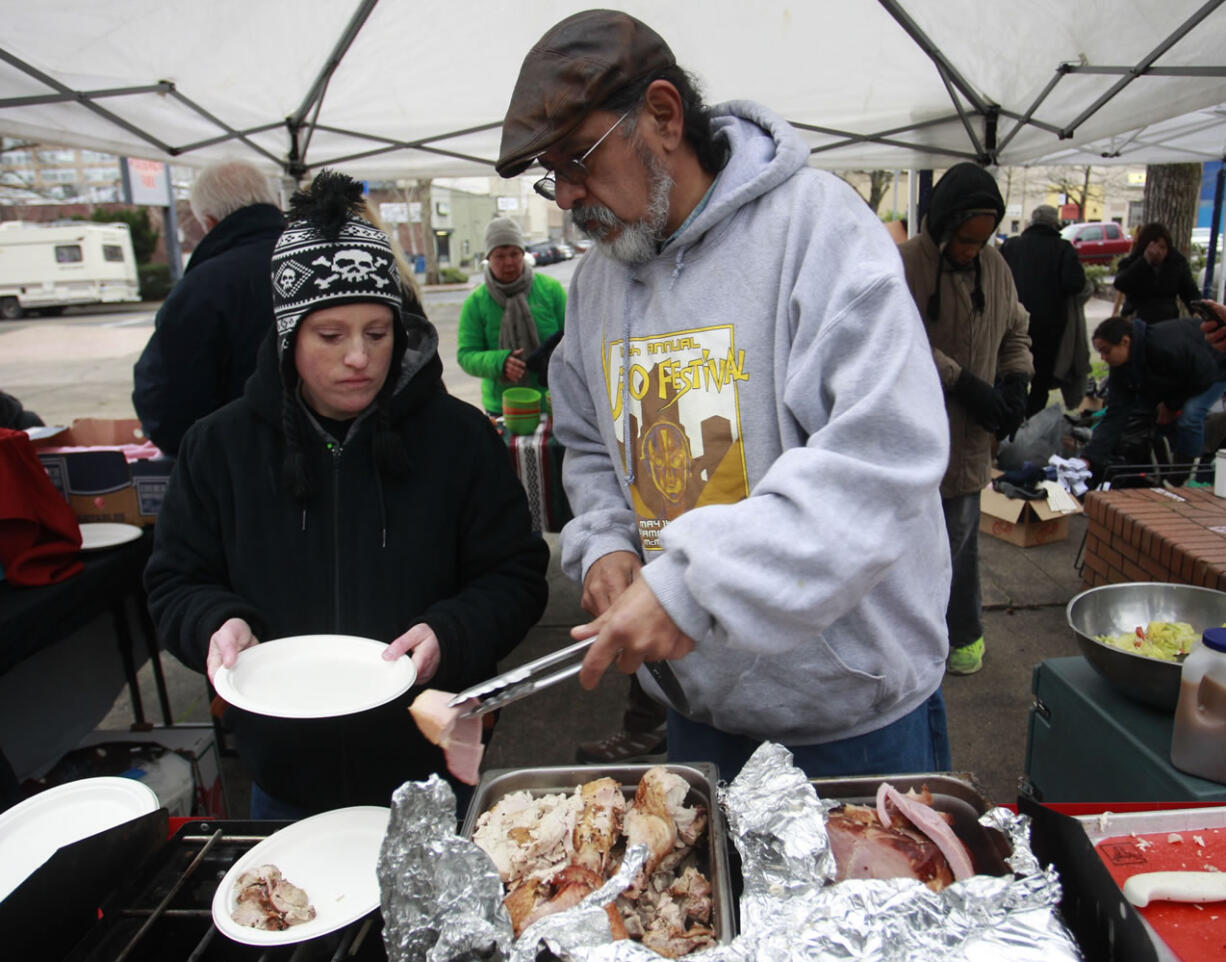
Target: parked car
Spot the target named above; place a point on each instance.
(1099, 242)
(545, 253)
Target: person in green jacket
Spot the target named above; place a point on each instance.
(508, 324)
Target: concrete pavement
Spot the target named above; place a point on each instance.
(1025, 590)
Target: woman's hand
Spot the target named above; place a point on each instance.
(1165, 414)
(513, 367)
(423, 643)
(225, 644)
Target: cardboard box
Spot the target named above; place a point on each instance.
(1021, 522)
(187, 779)
(102, 485)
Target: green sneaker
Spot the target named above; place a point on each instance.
(966, 660)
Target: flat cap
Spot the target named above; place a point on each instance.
(577, 66)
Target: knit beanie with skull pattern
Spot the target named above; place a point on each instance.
(330, 254)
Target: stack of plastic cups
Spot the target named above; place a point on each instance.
(521, 409)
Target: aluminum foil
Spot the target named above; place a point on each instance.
(788, 911)
(440, 895)
(442, 899)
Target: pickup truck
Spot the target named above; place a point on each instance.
(1097, 243)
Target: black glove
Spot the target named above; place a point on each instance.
(538, 361)
(982, 402)
(1012, 392)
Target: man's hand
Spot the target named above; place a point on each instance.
(633, 630)
(513, 367)
(1215, 331)
(1165, 415)
(225, 644)
(423, 643)
(607, 578)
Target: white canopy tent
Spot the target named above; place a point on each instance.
(398, 89)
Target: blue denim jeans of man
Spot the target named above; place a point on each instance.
(917, 742)
(964, 614)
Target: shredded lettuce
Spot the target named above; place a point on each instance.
(1165, 640)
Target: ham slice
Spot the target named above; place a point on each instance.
(929, 821)
(459, 738)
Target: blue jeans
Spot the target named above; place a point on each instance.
(917, 742)
(964, 614)
(1188, 436)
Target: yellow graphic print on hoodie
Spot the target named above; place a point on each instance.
(684, 444)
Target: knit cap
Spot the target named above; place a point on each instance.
(503, 232)
(329, 254)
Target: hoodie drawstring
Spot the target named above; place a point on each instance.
(626, 384)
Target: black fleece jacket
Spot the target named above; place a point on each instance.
(1151, 293)
(207, 333)
(369, 555)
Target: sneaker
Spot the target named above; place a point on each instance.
(647, 747)
(966, 660)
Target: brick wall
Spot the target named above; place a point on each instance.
(1150, 534)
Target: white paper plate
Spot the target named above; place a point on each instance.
(97, 535)
(44, 431)
(332, 857)
(32, 831)
(314, 676)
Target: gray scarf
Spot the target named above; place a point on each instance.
(518, 328)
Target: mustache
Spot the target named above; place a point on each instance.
(585, 216)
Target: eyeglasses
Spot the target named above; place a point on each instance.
(573, 171)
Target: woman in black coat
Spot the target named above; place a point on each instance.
(1153, 275)
(1160, 373)
(345, 493)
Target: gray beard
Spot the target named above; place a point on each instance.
(638, 242)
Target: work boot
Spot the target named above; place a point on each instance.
(646, 747)
(966, 660)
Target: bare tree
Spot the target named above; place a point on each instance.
(1074, 183)
(878, 183)
(424, 242)
(1171, 193)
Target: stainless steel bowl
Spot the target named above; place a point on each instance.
(1115, 609)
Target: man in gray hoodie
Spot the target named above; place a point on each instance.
(754, 431)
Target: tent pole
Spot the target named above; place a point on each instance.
(1214, 229)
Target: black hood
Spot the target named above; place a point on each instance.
(964, 187)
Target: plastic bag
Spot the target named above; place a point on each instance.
(1036, 440)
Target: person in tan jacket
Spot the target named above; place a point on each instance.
(978, 331)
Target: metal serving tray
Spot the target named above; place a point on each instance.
(702, 777)
(956, 794)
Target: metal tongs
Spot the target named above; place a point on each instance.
(530, 678)
(523, 681)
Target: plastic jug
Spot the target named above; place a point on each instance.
(1219, 474)
(1198, 742)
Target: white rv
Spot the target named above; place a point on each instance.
(49, 268)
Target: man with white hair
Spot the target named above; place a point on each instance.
(207, 332)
